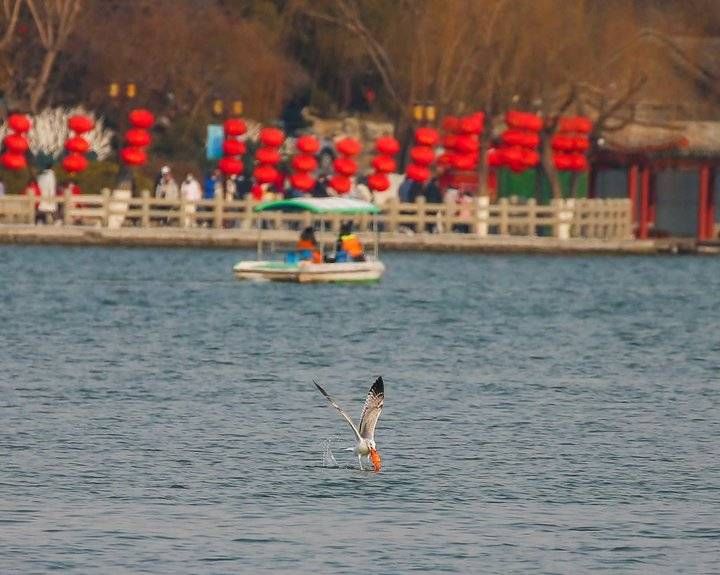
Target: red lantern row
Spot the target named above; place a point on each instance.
(76, 146)
(268, 155)
(137, 138)
(15, 143)
(304, 162)
(230, 164)
(383, 163)
(345, 167)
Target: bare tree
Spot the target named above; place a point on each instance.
(54, 20)
(9, 16)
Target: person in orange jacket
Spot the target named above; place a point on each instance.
(307, 246)
(348, 246)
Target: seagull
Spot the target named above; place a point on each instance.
(368, 419)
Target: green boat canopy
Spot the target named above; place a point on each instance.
(347, 206)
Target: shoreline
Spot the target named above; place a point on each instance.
(245, 239)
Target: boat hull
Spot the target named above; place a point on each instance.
(308, 272)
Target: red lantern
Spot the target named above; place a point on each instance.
(450, 142)
(13, 162)
(530, 158)
(464, 162)
(77, 144)
(384, 164)
(302, 181)
(265, 174)
(345, 167)
(267, 156)
(426, 136)
(16, 143)
(445, 159)
(579, 163)
(495, 157)
(523, 121)
(387, 145)
(307, 145)
(80, 124)
(141, 118)
(132, 156)
(417, 173)
(563, 161)
(74, 163)
(378, 182)
(451, 124)
(562, 143)
(520, 138)
(304, 163)
(471, 125)
(19, 123)
(138, 137)
(230, 166)
(467, 144)
(422, 155)
(272, 137)
(341, 184)
(581, 143)
(232, 147)
(234, 127)
(578, 124)
(348, 147)
(583, 125)
(512, 156)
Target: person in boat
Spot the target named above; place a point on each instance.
(348, 247)
(307, 246)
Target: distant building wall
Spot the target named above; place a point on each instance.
(677, 202)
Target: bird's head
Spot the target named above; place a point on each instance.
(375, 459)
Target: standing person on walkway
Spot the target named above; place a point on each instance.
(191, 192)
(166, 189)
(48, 189)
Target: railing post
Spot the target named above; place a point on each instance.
(419, 206)
(30, 207)
(183, 219)
(563, 217)
(248, 211)
(67, 206)
(504, 216)
(482, 215)
(393, 214)
(106, 206)
(532, 217)
(145, 221)
(218, 211)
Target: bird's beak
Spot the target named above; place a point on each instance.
(375, 460)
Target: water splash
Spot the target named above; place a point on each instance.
(328, 459)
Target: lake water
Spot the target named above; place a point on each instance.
(542, 415)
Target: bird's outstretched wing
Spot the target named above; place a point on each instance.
(336, 406)
(372, 409)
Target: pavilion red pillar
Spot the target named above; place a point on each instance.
(644, 227)
(710, 226)
(632, 193)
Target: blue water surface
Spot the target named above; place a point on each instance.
(543, 415)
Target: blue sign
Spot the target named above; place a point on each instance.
(214, 142)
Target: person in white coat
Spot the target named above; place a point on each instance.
(191, 192)
(48, 188)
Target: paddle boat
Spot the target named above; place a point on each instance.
(294, 269)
